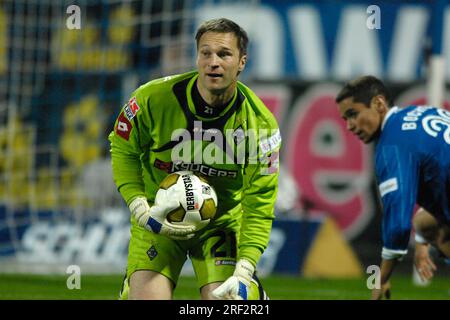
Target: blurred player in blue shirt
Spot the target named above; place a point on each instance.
(412, 163)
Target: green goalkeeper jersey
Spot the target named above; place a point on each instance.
(161, 131)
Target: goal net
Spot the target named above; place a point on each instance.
(65, 72)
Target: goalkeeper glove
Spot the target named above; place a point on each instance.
(154, 219)
(237, 286)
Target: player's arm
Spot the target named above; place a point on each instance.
(126, 141)
(258, 206)
(260, 190)
(387, 267)
(422, 260)
(397, 175)
(129, 137)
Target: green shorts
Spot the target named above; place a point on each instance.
(212, 251)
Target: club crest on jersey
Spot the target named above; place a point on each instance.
(123, 127)
(131, 108)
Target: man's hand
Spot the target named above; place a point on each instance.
(236, 287)
(422, 260)
(383, 293)
(387, 267)
(154, 219)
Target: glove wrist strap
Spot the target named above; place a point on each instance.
(137, 203)
(244, 269)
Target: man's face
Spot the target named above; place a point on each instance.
(218, 61)
(362, 121)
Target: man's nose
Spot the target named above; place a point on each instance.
(214, 62)
(350, 125)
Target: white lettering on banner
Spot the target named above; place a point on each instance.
(93, 242)
(68, 241)
(357, 49)
(409, 31)
(35, 244)
(388, 186)
(103, 242)
(308, 42)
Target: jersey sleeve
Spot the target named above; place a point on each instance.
(258, 204)
(397, 172)
(126, 141)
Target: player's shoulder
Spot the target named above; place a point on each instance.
(162, 85)
(413, 112)
(257, 108)
(406, 119)
(404, 128)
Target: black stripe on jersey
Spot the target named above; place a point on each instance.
(138, 135)
(179, 89)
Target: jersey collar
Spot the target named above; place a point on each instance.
(388, 115)
(192, 106)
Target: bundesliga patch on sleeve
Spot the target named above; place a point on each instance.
(388, 186)
(271, 143)
(123, 127)
(131, 109)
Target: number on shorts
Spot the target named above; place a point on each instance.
(227, 238)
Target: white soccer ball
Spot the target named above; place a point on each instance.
(198, 199)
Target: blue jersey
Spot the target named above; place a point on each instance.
(412, 163)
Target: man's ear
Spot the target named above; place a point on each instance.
(379, 103)
(242, 63)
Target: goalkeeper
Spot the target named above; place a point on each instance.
(208, 112)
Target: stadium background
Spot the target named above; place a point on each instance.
(61, 89)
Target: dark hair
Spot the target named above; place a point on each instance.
(224, 25)
(363, 89)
